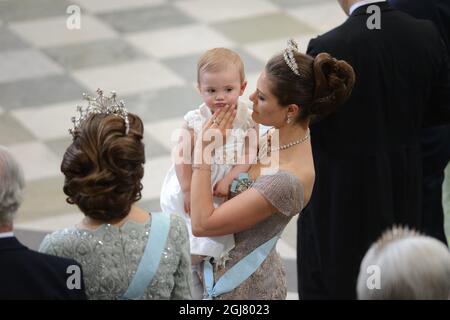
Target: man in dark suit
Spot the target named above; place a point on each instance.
(26, 274)
(435, 140)
(367, 156)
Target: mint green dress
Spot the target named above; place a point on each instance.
(110, 255)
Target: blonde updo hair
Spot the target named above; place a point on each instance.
(323, 85)
(103, 167)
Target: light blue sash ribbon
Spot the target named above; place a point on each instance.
(239, 272)
(157, 238)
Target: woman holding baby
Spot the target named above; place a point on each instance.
(293, 90)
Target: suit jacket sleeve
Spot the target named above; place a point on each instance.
(439, 109)
(311, 49)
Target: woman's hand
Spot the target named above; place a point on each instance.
(215, 128)
(222, 119)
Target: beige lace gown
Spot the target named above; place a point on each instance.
(284, 191)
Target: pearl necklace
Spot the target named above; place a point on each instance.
(291, 144)
(284, 146)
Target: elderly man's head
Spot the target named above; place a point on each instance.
(408, 266)
(11, 187)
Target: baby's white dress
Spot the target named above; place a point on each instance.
(171, 199)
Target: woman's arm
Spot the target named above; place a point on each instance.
(237, 214)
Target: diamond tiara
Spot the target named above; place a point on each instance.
(100, 105)
(288, 54)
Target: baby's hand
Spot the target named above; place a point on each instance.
(222, 188)
(187, 202)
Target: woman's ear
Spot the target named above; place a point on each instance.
(293, 110)
(243, 86)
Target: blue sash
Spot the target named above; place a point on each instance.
(157, 238)
(239, 272)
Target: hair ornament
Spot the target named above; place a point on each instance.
(289, 57)
(101, 104)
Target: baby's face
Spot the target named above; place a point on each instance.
(221, 88)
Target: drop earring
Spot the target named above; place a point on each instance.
(289, 120)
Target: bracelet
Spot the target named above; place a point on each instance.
(200, 167)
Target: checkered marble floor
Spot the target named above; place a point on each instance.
(147, 51)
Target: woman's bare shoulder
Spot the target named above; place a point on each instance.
(305, 175)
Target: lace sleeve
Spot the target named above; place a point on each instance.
(183, 274)
(47, 246)
(282, 190)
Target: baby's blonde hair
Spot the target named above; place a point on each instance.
(218, 59)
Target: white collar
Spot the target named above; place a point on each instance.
(362, 3)
(205, 112)
(6, 234)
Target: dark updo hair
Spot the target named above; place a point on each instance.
(103, 167)
(323, 85)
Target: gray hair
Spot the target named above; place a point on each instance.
(12, 183)
(411, 266)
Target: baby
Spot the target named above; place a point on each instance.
(221, 81)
